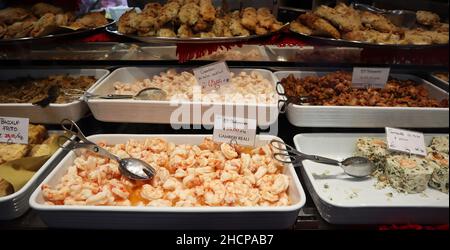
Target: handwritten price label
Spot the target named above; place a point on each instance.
(213, 76)
(406, 141)
(14, 130)
(370, 77)
(233, 129)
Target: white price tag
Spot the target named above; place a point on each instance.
(370, 77)
(234, 130)
(14, 130)
(406, 141)
(213, 76)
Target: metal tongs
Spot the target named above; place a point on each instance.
(284, 103)
(131, 168)
(358, 167)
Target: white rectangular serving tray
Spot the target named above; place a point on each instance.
(88, 217)
(16, 204)
(165, 112)
(368, 117)
(342, 199)
(54, 113)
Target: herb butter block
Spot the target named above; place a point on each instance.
(440, 144)
(375, 149)
(439, 162)
(409, 174)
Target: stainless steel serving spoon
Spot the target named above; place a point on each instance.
(358, 167)
(156, 94)
(131, 168)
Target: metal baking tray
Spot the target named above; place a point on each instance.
(162, 111)
(438, 81)
(16, 204)
(341, 199)
(368, 117)
(173, 218)
(54, 113)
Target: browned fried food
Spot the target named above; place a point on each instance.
(220, 28)
(339, 20)
(185, 31)
(237, 29)
(319, 26)
(201, 26)
(40, 9)
(261, 30)
(436, 37)
(417, 37)
(169, 12)
(146, 25)
(249, 18)
(5, 188)
(90, 20)
(3, 29)
(11, 152)
(164, 32)
(207, 10)
(127, 22)
(19, 30)
(44, 26)
(12, 15)
(64, 19)
(265, 18)
(372, 36)
(377, 22)
(300, 28)
(335, 89)
(440, 27)
(36, 134)
(189, 14)
(351, 14)
(427, 17)
(207, 35)
(152, 9)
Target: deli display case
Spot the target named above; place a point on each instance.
(290, 94)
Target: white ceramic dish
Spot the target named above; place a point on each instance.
(54, 113)
(167, 218)
(368, 117)
(342, 199)
(16, 204)
(165, 112)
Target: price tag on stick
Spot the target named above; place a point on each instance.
(232, 129)
(406, 141)
(370, 77)
(213, 76)
(14, 130)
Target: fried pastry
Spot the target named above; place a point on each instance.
(220, 28)
(319, 26)
(377, 22)
(300, 28)
(152, 9)
(90, 20)
(36, 134)
(19, 30)
(207, 10)
(440, 27)
(40, 9)
(166, 33)
(417, 37)
(11, 152)
(372, 36)
(12, 15)
(189, 14)
(64, 19)
(237, 29)
(3, 29)
(249, 18)
(185, 31)
(169, 12)
(427, 18)
(127, 22)
(265, 18)
(44, 26)
(339, 20)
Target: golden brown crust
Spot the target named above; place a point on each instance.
(319, 26)
(377, 22)
(300, 28)
(12, 15)
(427, 17)
(44, 26)
(339, 20)
(40, 9)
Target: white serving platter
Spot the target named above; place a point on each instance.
(342, 199)
(166, 112)
(16, 204)
(54, 113)
(108, 217)
(368, 117)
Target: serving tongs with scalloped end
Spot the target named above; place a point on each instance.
(298, 100)
(401, 18)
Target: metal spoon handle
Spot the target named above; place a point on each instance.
(94, 148)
